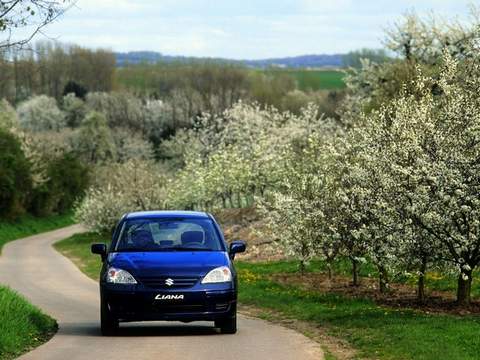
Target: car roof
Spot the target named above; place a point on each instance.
(166, 214)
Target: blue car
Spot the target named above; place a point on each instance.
(168, 265)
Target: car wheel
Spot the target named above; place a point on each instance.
(108, 322)
(228, 325)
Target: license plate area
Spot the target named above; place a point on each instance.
(168, 303)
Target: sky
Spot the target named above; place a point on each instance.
(239, 29)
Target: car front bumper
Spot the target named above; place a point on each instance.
(136, 303)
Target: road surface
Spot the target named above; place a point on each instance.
(33, 268)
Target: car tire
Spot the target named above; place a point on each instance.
(108, 322)
(228, 325)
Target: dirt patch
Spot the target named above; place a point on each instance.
(245, 224)
(339, 348)
(398, 296)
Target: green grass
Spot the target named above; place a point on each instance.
(22, 326)
(434, 280)
(77, 248)
(373, 330)
(30, 225)
(315, 79)
(148, 78)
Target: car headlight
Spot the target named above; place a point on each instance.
(119, 276)
(218, 275)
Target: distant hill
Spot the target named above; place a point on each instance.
(304, 61)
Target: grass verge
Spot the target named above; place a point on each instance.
(30, 225)
(374, 331)
(22, 326)
(77, 249)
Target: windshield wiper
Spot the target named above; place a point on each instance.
(160, 249)
(186, 248)
(133, 249)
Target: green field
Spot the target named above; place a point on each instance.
(315, 79)
(161, 77)
(30, 225)
(22, 326)
(374, 331)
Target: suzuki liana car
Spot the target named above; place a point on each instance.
(168, 265)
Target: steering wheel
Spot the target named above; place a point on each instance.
(195, 244)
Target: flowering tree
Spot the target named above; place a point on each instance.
(94, 141)
(120, 109)
(232, 158)
(8, 115)
(130, 145)
(131, 186)
(347, 198)
(41, 113)
(299, 213)
(188, 190)
(432, 153)
(424, 40)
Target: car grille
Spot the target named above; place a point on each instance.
(172, 309)
(179, 282)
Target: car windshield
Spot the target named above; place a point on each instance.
(164, 234)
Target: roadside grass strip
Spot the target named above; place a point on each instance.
(22, 325)
(77, 249)
(30, 225)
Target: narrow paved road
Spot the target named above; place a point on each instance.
(32, 267)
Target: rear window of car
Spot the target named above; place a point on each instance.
(165, 234)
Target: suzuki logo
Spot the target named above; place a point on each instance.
(169, 297)
(169, 282)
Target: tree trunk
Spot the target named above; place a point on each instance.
(383, 280)
(464, 287)
(355, 272)
(239, 200)
(302, 267)
(329, 269)
(421, 280)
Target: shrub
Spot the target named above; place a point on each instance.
(67, 181)
(15, 179)
(74, 108)
(130, 145)
(8, 115)
(41, 113)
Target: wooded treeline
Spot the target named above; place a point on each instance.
(50, 66)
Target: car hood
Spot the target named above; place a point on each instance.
(180, 263)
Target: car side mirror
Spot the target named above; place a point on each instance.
(100, 249)
(237, 247)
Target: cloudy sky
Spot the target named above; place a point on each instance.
(239, 29)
